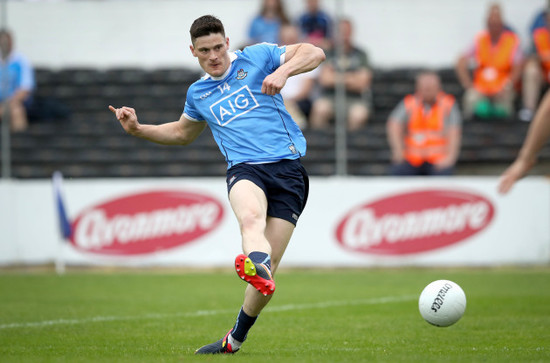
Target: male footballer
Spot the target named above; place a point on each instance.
(239, 99)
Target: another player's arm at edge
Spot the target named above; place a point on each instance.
(181, 132)
(537, 135)
(299, 58)
(539, 132)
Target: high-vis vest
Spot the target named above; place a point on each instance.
(541, 38)
(426, 140)
(494, 61)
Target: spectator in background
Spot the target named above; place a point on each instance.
(267, 25)
(297, 91)
(316, 25)
(540, 20)
(497, 54)
(356, 75)
(16, 83)
(424, 130)
(536, 72)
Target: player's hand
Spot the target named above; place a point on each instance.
(516, 171)
(273, 84)
(444, 163)
(127, 117)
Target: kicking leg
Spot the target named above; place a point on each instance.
(249, 204)
(277, 233)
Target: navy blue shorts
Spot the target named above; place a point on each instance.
(285, 184)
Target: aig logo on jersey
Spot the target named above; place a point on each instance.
(234, 105)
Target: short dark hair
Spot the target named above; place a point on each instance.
(206, 25)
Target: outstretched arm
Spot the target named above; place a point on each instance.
(181, 132)
(299, 58)
(538, 134)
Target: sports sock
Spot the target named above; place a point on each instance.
(260, 257)
(241, 328)
(234, 343)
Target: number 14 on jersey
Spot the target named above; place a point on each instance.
(224, 87)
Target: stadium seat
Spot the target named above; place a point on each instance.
(91, 142)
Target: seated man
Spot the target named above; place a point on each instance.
(497, 54)
(298, 89)
(16, 94)
(356, 78)
(424, 130)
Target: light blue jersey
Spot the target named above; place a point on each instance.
(20, 75)
(249, 126)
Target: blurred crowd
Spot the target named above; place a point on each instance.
(494, 70)
(501, 78)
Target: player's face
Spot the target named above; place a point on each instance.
(211, 52)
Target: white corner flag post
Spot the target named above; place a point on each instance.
(64, 224)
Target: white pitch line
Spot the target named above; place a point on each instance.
(330, 304)
(288, 307)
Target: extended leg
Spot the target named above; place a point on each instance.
(276, 233)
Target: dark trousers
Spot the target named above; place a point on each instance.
(406, 169)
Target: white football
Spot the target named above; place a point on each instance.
(442, 303)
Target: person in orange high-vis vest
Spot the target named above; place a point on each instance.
(536, 73)
(497, 54)
(424, 130)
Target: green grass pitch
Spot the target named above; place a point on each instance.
(315, 316)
